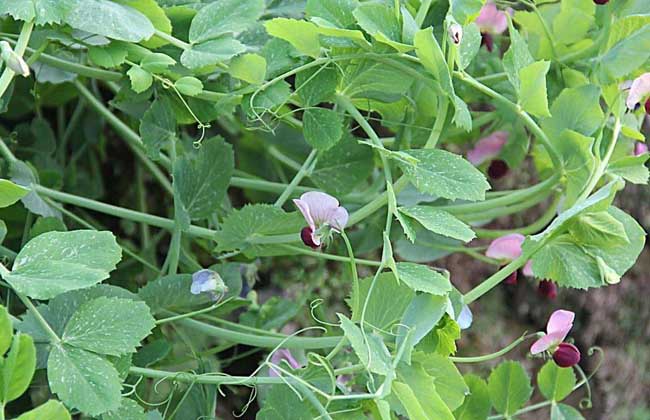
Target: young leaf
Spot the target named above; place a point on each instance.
(423, 400)
(477, 404)
(224, 17)
(83, 380)
(631, 168)
(156, 62)
(56, 262)
(578, 161)
(188, 85)
(566, 263)
(532, 89)
(379, 20)
(516, 58)
(577, 109)
(421, 316)
(250, 68)
(440, 222)
(423, 279)
(446, 175)
(323, 128)
(158, 127)
(565, 412)
(509, 387)
(17, 368)
(110, 326)
(212, 52)
(598, 229)
(141, 80)
(109, 56)
(200, 181)
(299, 33)
(386, 288)
(51, 410)
(554, 382)
(371, 350)
(10, 193)
(449, 383)
(432, 58)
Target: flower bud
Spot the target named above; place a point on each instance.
(511, 279)
(456, 33)
(647, 106)
(548, 289)
(601, 1)
(640, 148)
(497, 169)
(487, 41)
(14, 61)
(306, 234)
(566, 355)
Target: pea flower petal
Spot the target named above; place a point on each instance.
(558, 327)
(639, 89)
(640, 148)
(319, 209)
(566, 355)
(280, 355)
(488, 147)
(456, 33)
(491, 19)
(506, 247)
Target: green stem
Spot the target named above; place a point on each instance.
(304, 170)
(356, 291)
(172, 40)
(535, 227)
(522, 411)
(436, 131)
(422, 12)
(208, 379)
(530, 123)
(604, 161)
(331, 257)
(21, 45)
(491, 356)
(496, 278)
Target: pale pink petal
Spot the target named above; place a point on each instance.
(487, 147)
(491, 19)
(528, 269)
(304, 209)
(560, 323)
(278, 357)
(639, 89)
(507, 247)
(640, 148)
(321, 206)
(456, 33)
(546, 342)
(339, 219)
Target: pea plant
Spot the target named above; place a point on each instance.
(194, 185)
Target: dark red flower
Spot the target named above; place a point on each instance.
(548, 289)
(487, 41)
(566, 355)
(307, 238)
(511, 279)
(647, 106)
(497, 169)
(601, 1)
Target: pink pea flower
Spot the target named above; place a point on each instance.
(488, 147)
(322, 213)
(639, 89)
(456, 33)
(558, 327)
(508, 248)
(491, 21)
(640, 148)
(278, 357)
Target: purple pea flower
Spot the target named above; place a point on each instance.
(506, 249)
(277, 358)
(207, 281)
(491, 21)
(323, 214)
(558, 327)
(488, 147)
(640, 148)
(547, 289)
(639, 89)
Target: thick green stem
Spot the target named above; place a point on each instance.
(23, 39)
(491, 356)
(496, 278)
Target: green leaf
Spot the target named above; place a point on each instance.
(6, 330)
(110, 326)
(323, 127)
(188, 85)
(631, 168)
(449, 383)
(316, 85)
(372, 80)
(598, 229)
(141, 80)
(250, 68)
(171, 293)
(509, 387)
(17, 369)
(420, 317)
(578, 161)
(129, 410)
(516, 58)
(83, 380)
(442, 340)
(532, 90)
(577, 109)
(565, 412)
(51, 410)
(446, 175)
(224, 17)
(430, 54)
(156, 62)
(421, 278)
(465, 11)
(386, 288)
(371, 350)
(627, 55)
(10, 193)
(337, 12)
(22, 174)
(281, 400)
(156, 14)
(243, 226)
(469, 45)
(554, 382)
(108, 56)
(112, 20)
(565, 262)
(212, 52)
(440, 222)
(299, 33)
(158, 127)
(200, 181)
(56, 262)
(477, 404)
(418, 393)
(343, 167)
(381, 22)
